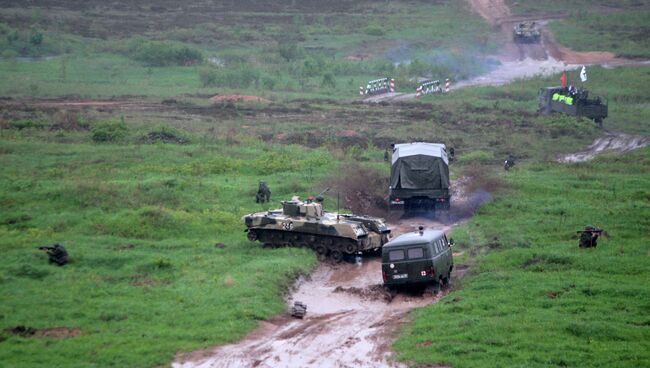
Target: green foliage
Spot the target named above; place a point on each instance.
(290, 51)
(36, 39)
(109, 132)
(241, 77)
(140, 223)
(476, 157)
(623, 33)
(162, 53)
(375, 30)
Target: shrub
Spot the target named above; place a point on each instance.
(241, 77)
(36, 38)
(375, 31)
(158, 53)
(109, 132)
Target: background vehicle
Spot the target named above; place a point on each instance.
(419, 177)
(526, 32)
(305, 224)
(574, 103)
(421, 257)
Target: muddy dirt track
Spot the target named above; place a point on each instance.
(350, 322)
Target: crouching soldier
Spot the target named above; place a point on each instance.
(589, 237)
(56, 254)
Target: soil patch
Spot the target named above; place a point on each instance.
(52, 333)
(612, 142)
(238, 98)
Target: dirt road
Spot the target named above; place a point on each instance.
(349, 322)
(612, 142)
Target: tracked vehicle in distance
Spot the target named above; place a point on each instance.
(526, 32)
(419, 178)
(305, 224)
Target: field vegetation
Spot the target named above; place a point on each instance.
(160, 49)
(533, 298)
(147, 190)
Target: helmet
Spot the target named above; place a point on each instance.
(589, 227)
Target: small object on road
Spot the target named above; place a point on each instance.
(589, 237)
(56, 254)
(298, 310)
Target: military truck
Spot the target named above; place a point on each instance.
(574, 102)
(305, 224)
(419, 177)
(421, 257)
(526, 32)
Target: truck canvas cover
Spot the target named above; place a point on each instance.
(420, 166)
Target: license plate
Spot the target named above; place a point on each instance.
(400, 276)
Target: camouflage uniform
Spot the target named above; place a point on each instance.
(57, 254)
(263, 193)
(588, 238)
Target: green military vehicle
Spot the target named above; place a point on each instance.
(419, 177)
(305, 224)
(526, 32)
(571, 101)
(422, 257)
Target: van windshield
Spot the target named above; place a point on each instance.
(396, 255)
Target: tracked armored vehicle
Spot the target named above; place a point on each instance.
(419, 178)
(526, 32)
(305, 224)
(571, 101)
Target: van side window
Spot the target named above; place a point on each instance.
(415, 253)
(396, 255)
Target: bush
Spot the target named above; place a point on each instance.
(375, 31)
(109, 132)
(157, 53)
(290, 51)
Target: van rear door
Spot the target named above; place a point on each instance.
(410, 264)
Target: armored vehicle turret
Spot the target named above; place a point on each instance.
(527, 32)
(305, 224)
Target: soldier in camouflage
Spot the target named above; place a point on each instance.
(263, 193)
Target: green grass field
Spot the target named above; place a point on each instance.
(159, 261)
(141, 224)
(533, 298)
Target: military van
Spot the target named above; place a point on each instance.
(421, 257)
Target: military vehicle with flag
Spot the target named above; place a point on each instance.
(305, 224)
(572, 101)
(419, 177)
